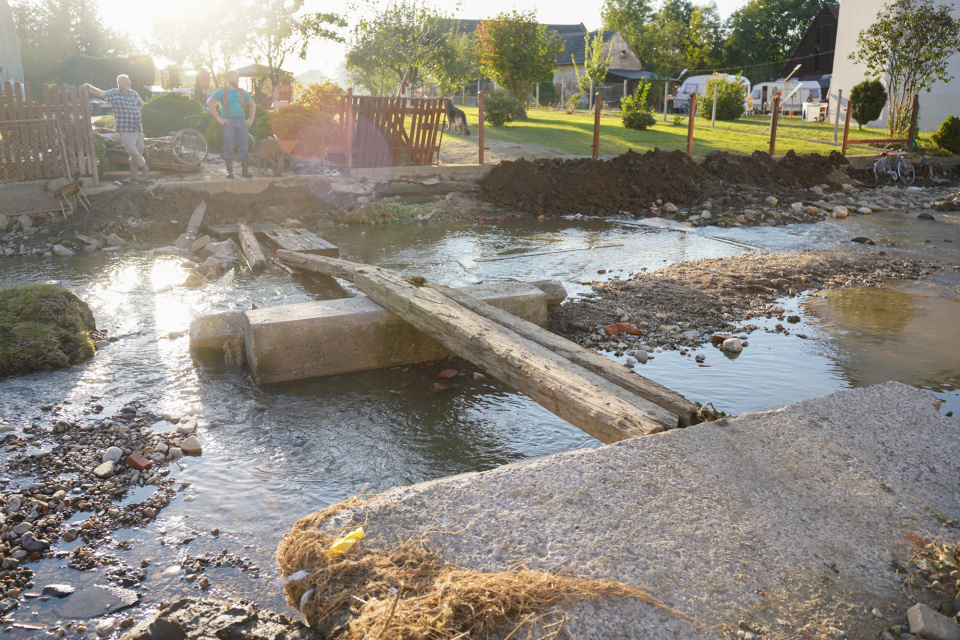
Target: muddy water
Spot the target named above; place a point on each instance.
(274, 454)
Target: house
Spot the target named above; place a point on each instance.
(814, 53)
(941, 101)
(625, 66)
(11, 66)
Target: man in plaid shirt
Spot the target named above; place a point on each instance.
(126, 105)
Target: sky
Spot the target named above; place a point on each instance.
(135, 18)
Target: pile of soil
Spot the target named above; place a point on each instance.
(633, 182)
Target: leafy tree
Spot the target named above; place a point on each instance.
(635, 109)
(315, 95)
(630, 18)
(767, 30)
(455, 63)
(280, 28)
(516, 51)
(595, 66)
(51, 31)
(869, 97)
(729, 97)
(403, 39)
(909, 46)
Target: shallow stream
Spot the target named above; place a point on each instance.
(274, 454)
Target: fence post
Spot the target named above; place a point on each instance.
(624, 88)
(591, 89)
(480, 124)
(713, 117)
(693, 115)
(538, 94)
(666, 86)
(774, 116)
(836, 118)
(350, 127)
(846, 127)
(913, 121)
(596, 128)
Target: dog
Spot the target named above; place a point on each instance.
(456, 119)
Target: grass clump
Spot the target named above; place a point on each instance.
(43, 326)
(388, 211)
(409, 593)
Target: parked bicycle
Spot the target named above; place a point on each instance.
(887, 170)
(186, 146)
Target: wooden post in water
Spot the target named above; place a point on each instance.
(693, 115)
(596, 128)
(251, 249)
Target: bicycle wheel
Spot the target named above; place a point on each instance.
(881, 171)
(189, 146)
(905, 169)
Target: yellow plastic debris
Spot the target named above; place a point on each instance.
(343, 544)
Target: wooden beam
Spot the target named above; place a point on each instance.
(590, 360)
(251, 249)
(193, 227)
(320, 264)
(569, 391)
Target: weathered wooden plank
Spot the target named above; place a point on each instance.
(233, 229)
(251, 249)
(301, 241)
(569, 391)
(660, 395)
(196, 220)
(320, 264)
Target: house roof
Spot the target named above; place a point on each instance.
(631, 74)
(469, 26)
(574, 45)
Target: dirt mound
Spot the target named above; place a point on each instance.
(632, 182)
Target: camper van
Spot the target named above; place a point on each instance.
(764, 93)
(698, 84)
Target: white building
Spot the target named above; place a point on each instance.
(11, 67)
(857, 15)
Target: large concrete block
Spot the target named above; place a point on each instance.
(298, 341)
(928, 624)
(210, 332)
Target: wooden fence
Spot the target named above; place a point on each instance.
(372, 131)
(45, 138)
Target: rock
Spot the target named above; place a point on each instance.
(191, 446)
(4, 222)
(226, 248)
(187, 428)
(839, 212)
(13, 505)
(138, 461)
(113, 454)
(60, 250)
(106, 627)
(865, 210)
(817, 190)
(98, 600)
(100, 344)
(31, 543)
(105, 470)
(291, 223)
(25, 222)
(156, 630)
(797, 206)
(846, 187)
(732, 345)
(771, 201)
(7, 605)
(447, 373)
(930, 625)
(113, 240)
(22, 528)
(204, 582)
(925, 216)
(175, 453)
(705, 214)
(670, 208)
(197, 245)
(71, 534)
(57, 590)
(641, 356)
(862, 240)
(183, 241)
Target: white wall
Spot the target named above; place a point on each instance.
(857, 15)
(12, 68)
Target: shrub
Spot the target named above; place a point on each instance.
(548, 93)
(166, 112)
(315, 95)
(869, 98)
(499, 108)
(948, 136)
(729, 98)
(635, 109)
(573, 101)
(103, 159)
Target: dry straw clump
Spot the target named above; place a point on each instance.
(409, 593)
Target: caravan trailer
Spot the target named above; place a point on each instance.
(764, 93)
(698, 84)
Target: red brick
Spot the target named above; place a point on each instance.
(138, 461)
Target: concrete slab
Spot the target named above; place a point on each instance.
(298, 341)
(210, 332)
(783, 522)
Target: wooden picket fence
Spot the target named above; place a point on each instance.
(48, 138)
(374, 131)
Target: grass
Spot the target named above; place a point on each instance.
(573, 134)
(41, 327)
(387, 211)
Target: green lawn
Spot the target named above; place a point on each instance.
(573, 134)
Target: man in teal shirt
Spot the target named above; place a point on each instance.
(232, 100)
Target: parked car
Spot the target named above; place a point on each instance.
(698, 84)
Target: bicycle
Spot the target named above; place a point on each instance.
(885, 172)
(186, 146)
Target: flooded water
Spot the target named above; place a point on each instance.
(274, 454)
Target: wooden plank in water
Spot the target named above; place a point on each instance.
(581, 397)
(234, 229)
(301, 241)
(251, 249)
(320, 264)
(196, 220)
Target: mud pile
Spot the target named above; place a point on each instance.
(633, 182)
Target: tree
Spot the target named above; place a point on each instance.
(455, 63)
(630, 18)
(595, 66)
(315, 96)
(767, 31)
(279, 29)
(51, 31)
(405, 38)
(909, 46)
(869, 97)
(729, 97)
(516, 51)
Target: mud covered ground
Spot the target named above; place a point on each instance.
(637, 184)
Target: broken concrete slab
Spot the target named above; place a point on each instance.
(768, 519)
(930, 625)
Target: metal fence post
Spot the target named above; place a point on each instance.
(350, 128)
(836, 118)
(666, 86)
(596, 128)
(693, 115)
(713, 117)
(480, 124)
